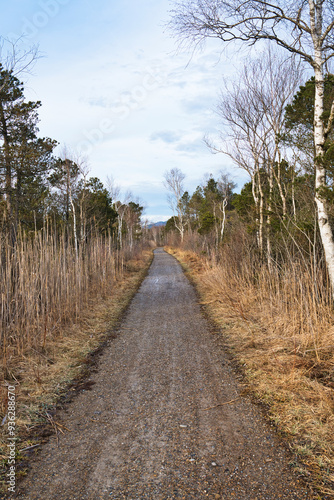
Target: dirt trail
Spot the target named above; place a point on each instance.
(144, 430)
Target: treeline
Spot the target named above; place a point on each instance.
(39, 188)
(205, 212)
(262, 246)
(268, 117)
(268, 278)
(259, 257)
(253, 106)
(64, 237)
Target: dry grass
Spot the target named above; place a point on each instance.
(44, 284)
(279, 326)
(80, 308)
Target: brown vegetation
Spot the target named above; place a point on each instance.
(58, 306)
(278, 324)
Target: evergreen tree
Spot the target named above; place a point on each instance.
(25, 159)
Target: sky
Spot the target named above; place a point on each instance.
(117, 92)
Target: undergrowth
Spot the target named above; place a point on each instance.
(279, 326)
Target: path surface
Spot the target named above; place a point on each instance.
(144, 430)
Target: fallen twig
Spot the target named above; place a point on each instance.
(63, 426)
(56, 425)
(30, 447)
(220, 404)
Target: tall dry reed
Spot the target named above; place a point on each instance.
(45, 283)
(290, 301)
(279, 323)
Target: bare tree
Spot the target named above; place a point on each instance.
(253, 109)
(301, 27)
(244, 141)
(15, 58)
(174, 184)
(121, 206)
(273, 79)
(225, 186)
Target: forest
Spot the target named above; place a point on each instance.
(257, 258)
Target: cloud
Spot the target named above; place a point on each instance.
(192, 147)
(169, 137)
(190, 142)
(113, 82)
(199, 104)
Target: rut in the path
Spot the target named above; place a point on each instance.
(151, 426)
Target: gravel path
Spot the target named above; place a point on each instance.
(150, 427)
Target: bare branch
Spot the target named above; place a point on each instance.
(15, 58)
(250, 21)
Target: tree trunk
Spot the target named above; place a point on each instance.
(279, 183)
(256, 199)
(293, 196)
(320, 171)
(261, 215)
(74, 229)
(223, 209)
(120, 225)
(269, 211)
(18, 198)
(8, 176)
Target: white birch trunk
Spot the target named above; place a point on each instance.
(257, 207)
(320, 171)
(261, 216)
(120, 225)
(179, 226)
(223, 209)
(271, 187)
(74, 228)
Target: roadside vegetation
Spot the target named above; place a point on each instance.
(72, 255)
(257, 260)
(262, 259)
(73, 251)
(281, 345)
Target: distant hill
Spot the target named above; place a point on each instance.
(156, 224)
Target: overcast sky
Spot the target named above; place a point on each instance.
(114, 88)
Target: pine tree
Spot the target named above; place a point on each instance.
(25, 159)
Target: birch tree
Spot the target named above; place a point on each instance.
(225, 186)
(174, 183)
(273, 79)
(302, 27)
(244, 140)
(253, 109)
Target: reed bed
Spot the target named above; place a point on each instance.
(45, 283)
(289, 302)
(59, 306)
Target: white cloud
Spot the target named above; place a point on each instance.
(112, 85)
